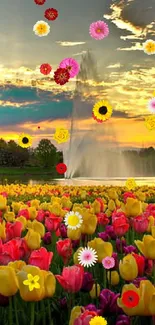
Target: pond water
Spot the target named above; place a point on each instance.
(38, 179)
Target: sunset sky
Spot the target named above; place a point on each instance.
(126, 73)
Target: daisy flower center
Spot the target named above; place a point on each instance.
(87, 256)
(103, 110)
(69, 68)
(25, 140)
(73, 221)
(98, 30)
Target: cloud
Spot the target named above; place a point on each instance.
(65, 43)
(113, 66)
(80, 53)
(135, 47)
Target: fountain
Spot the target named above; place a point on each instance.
(94, 152)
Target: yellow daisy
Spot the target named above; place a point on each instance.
(150, 122)
(25, 140)
(41, 28)
(73, 220)
(98, 320)
(149, 47)
(130, 184)
(102, 110)
(32, 282)
(61, 135)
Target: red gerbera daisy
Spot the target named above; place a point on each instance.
(45, 68)
(51, 14)
(130, 298)
(61, 76)
(39, 2)
(61, 168)
(38, 127)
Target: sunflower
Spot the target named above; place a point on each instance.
(102, 110)
(25, 140)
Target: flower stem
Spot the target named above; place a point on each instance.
(49, 313)
(15, 307)
(10, 311)
(43, 312)
(32, 313)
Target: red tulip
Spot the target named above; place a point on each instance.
(120, 226)
(24, 213)
(52, 223)
(64, 249)
(101, 204)
(140, 260)
(72, 278)
(13, 230)
(140, 224)
(41, 258)
(102, 219)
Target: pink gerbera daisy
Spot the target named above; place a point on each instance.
(151, 105)
(71, 65)
(99, 30)
(87, 256)
(108, 262)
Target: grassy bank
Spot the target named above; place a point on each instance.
(27, 171)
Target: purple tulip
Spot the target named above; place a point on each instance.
(115, 256)
(129, 249)
(88, 282)
(108, 302)
(75, 243)
(110, 231)
(104, 236)
(120, 244)
(137, 281)
(63, 302)
(63, 230)
(123, 320)
(47, 239)
(91, 307)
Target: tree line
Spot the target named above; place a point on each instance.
(44, 155)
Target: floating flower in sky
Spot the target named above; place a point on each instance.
(38, 127)
(150, 122)
(39, 2)
(25, 140)
(61, 76)
(98, 320)
(61, 168)
(51, 14)
(45, 68)
(41, 28)
(71, 65)
(87, 257)
(151, 105)
(73, 220)
(32, 282)
(99, 30)
(102, 111)
(130, 184)
(108, 262)
(130, 298)
(61, 135)
(149, 47)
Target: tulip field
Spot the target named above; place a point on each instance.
(77, 255)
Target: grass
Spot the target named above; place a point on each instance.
(27, 170)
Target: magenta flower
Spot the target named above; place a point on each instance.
(71, 65)
(151, 105)
(99, 30)
(108, 262)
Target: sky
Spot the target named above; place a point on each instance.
(28, 99)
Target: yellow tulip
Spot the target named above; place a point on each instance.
(83, 194)
(89, 222)
(128, 268)
(23, 222)
(8, 281)
(75, 313)
(38, 227)
(141, 196)
(74, 234)
(66, 203)
(55, 209)
(35, 203)
(16, 206)
(112, 194)
(25, 293)
(108, 212)
(3, 202)
(145, 293)
(75, 256)
(102, 248)
(96, 206)
(111, 205)
(2, 230)
(17, 265)
(114, 278)
(133, 207)
(95, 291)
(49, 284)
(32, 212)
(147, 246)
(9, 216)
(33, 239)
(151, 223)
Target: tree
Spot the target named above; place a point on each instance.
(3, 144)
(46, 153)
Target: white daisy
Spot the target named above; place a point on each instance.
(151, 105)
(87, 256)
(73, 220)
(41, 28)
